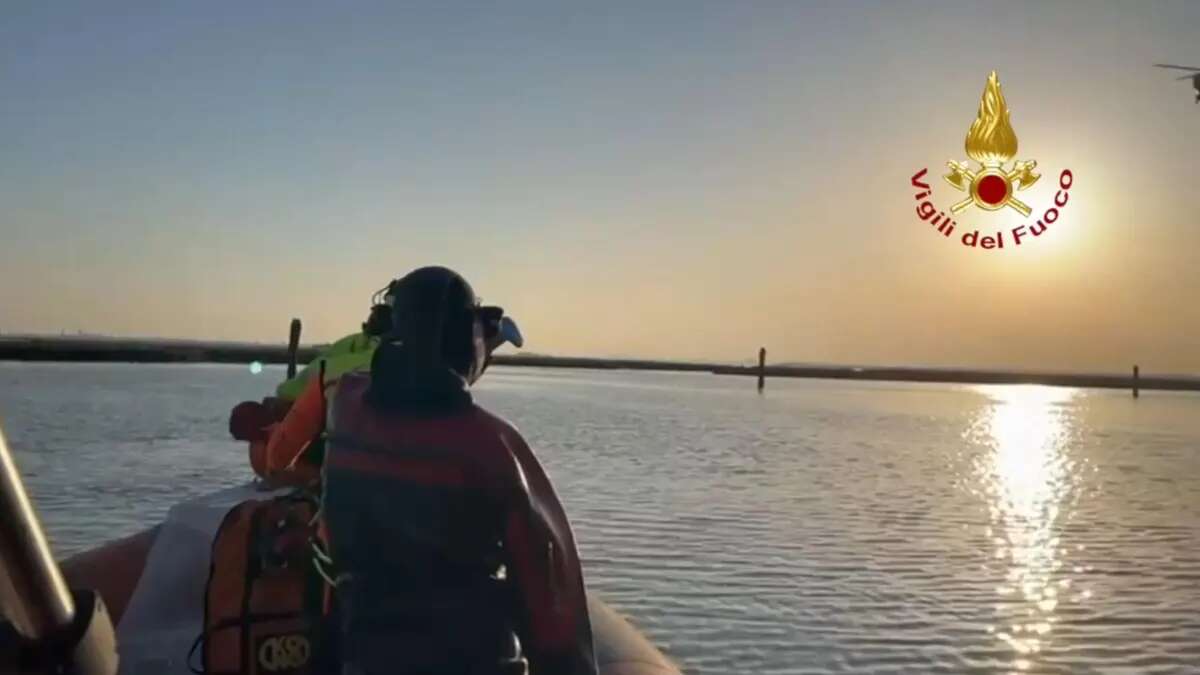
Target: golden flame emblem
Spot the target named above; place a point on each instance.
(991, 142)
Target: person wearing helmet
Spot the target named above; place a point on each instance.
(289, 450)
(450, 551)
(354, 351)
(285, 448)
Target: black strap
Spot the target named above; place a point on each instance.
(192, 654)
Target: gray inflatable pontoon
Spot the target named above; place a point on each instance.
(154, 582)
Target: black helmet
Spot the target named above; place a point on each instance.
(437, 320)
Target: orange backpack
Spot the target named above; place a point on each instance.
(264, 600)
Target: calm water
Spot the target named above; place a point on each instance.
(822, 527)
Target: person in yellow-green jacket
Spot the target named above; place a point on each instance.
(252, 421)
(350, 353)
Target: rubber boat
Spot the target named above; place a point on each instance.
(152, 584)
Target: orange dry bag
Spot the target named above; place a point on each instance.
(263, 604)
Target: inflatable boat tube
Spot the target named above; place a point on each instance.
(153, 583)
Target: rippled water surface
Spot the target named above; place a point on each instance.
(821, 527)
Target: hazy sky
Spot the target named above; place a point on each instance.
(658, 179)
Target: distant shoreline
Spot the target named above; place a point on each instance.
(116, 350)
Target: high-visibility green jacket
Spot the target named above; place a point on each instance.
(352, 352)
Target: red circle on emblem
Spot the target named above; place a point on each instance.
(992, 189)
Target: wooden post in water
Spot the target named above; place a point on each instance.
(762, 367)
(293, 347)
(1135, 381)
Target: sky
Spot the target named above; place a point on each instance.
(684, 180)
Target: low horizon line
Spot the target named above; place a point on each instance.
(130, 342)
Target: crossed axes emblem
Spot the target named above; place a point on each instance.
(1019, 177)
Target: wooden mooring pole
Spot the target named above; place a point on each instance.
(293, 348)
(1135, 381)
(762, 367)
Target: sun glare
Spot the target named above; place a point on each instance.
(1027, 473)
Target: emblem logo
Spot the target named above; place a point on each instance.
(991, 142)
(283, 653)
(992, 183)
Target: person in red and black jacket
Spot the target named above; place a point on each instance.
(450, 549)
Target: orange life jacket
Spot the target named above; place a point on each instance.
(264, 600)
(292, 451)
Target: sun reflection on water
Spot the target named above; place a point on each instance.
(1028, 478)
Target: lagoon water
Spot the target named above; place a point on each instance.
(821, 527)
